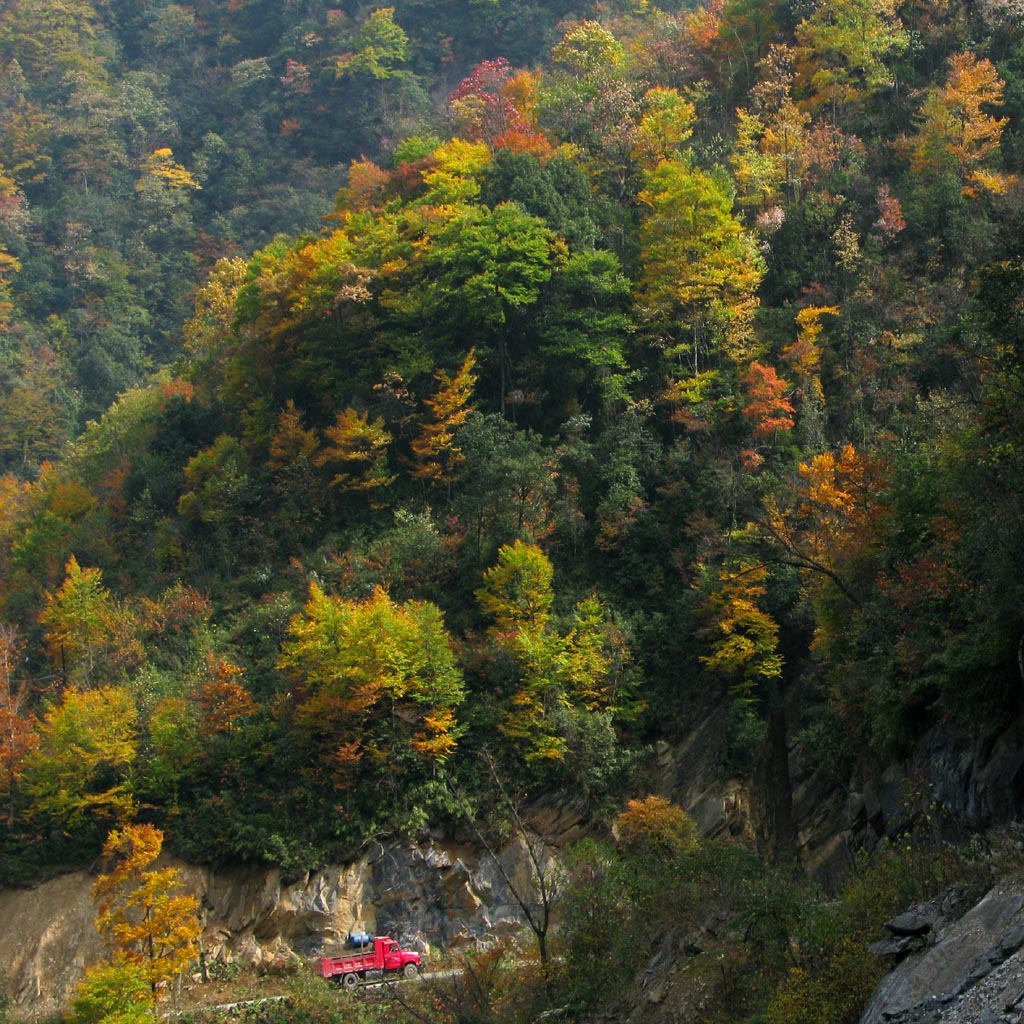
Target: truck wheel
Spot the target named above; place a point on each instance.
(350, 981)
(409, 971)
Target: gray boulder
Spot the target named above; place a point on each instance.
(970, 972)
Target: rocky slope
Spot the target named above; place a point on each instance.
(964, 970)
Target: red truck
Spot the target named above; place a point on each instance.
(385, 956)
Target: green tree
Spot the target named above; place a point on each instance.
(583, 326)
(846, 50)
(35, 420)
(482, 268)
(220, 499)
(380, 48)
(113, 993)
(507, 486)
(556, 190)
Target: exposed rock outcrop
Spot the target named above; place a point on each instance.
(966, 783)
(969, 971)
(46, 941)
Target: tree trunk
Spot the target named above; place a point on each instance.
(773, 793)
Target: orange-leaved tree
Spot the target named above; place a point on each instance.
(144, 916)
(18, 738)
(956, 135)
(829, 529)
(656, 825)
(768, 406)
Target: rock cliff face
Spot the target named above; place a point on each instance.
(426, 894)
(969, 783)
(967, 971)
(46, 940)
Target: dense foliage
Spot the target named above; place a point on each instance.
(641, 364)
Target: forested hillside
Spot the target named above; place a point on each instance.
(393, 397)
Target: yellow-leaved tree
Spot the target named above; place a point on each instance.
(150, 927)
(79, 771)
(436, 455)
(360, 446)
(377, 683)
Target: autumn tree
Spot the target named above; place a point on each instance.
(85, 628)
(292, 464)
(221, 699)
(805, 356)
(827, 529)
(700, 268)
(18, 738)
(667, 122)
(588, 100)
(655, 825)
(768, 406)
(743, 636)
(845, 52)
(772, 156)
(568, 679)
(516, 592)
(436, 454)
(162, 175)
(360, 446)
(956, 132)
(144, 917)
(378, 681)
(481, 105)
(87, 744)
